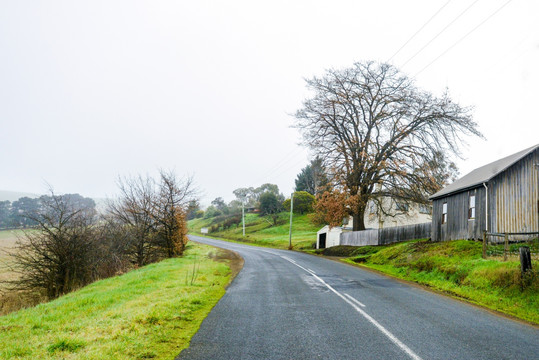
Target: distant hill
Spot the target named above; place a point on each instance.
(15, 195)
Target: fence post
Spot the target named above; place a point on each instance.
(484, 244)
(505, 246)
(525, 259)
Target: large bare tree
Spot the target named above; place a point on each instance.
(379, 134)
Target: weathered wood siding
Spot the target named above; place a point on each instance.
(360, 238)
(458, 226)
(513, 205)
(394, 234)
(514, 197)
(387, 235)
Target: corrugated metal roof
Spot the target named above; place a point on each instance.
(483, 174)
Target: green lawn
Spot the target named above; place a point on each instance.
(456, 268)
(151, 312)
(259, 230)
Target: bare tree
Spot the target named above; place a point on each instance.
(154, 215)
(372, 125)
(113, 243)
(134, 209)
(170, 212)
(58, 255)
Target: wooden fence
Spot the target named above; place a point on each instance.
(386, 235)
(508, 244)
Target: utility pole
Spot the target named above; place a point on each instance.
(536, 166)
(290, 231)
(243, 216)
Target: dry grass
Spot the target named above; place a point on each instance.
(11, 300)
(8, 238)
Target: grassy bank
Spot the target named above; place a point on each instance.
(147, 313)
(260, 230)
(455, 267)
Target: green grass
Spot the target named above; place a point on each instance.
(148, 313)
(259, 230)
(456, 268)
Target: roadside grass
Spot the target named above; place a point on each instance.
(456, 268)
(259, 230)
(151, 312)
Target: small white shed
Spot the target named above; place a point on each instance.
(327, 237)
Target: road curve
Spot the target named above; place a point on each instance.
(290, 305)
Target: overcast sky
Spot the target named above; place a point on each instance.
(90, 90)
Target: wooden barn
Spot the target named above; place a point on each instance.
(500, 197)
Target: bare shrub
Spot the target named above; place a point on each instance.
(58, 255)
(153, 215)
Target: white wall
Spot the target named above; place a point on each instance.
(333, 236)
(375, 219)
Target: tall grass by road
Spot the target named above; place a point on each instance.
(151, 312)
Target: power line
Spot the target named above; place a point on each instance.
(275, 169)
(289, 157)
(418, 31)
(464, 37)
(288, 168)
(440, 33)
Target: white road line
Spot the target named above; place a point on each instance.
(384, 331)
(312, 272)
(354, 300)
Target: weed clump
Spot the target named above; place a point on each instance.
(66, 345)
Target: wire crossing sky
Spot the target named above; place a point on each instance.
(90, 91)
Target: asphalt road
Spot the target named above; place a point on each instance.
(290, 305)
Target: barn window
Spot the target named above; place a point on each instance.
(444, 213)
(471, 208)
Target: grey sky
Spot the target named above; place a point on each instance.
(95, 89)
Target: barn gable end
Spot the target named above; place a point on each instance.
(509, 186)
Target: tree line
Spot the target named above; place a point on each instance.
(265, 200)
(70, 245)
(18, 214)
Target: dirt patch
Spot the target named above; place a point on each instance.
(232, 258)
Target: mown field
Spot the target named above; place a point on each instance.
(455, 268)
(260, 230)
(7, 242)
(151, 312)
